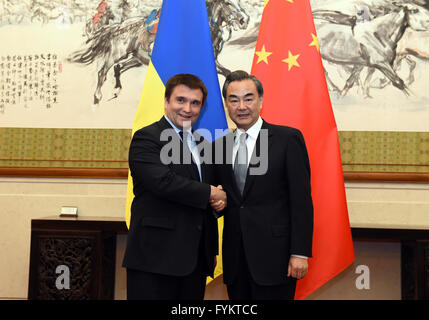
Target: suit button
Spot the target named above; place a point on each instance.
(200, 227)
(241, 207)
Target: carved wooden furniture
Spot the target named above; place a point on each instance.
(85, 246)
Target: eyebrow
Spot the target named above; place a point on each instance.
(246, 95)
(186, 99)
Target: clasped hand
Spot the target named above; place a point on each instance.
(217, 198)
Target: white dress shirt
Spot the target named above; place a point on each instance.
(192, 144)
(252, 136)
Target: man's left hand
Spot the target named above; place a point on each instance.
(298, 267)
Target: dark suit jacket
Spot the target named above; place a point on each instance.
(274, 217)
(170, 211)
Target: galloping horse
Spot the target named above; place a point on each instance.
(128, 44)
(372, 44)
(113, 44)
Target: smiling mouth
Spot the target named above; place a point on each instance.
(243, 116)
(186, 117)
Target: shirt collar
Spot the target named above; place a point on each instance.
(253, 131)
(189, 131)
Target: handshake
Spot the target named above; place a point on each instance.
(217, 198)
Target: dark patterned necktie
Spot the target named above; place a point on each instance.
(186, 149)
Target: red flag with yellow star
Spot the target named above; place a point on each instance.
(288, 63)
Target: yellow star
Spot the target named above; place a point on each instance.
(266, 2)
(292, 60)
(315, 42)
(291, 1)
(263, 55)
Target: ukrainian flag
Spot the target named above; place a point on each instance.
(182, 45)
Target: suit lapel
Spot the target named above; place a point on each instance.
(227, 164)
(181, 167)
(250, 179)
(201, 142)
(231, 177)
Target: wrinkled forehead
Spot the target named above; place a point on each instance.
(242, 88)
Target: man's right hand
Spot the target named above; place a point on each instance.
(217, 198)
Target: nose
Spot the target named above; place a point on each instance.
(187, 107)
(241, 105)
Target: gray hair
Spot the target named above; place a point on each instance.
(241, 75)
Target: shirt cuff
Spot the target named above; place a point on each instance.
(299, 256)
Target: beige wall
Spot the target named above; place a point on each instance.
(370, 205)
(23, 199)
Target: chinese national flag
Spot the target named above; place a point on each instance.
(287, 61)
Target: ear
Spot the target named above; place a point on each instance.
(165, 103)
(262, 101)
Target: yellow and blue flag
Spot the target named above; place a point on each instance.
(182, 45)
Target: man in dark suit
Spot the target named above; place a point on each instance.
(173, 239)
(268, 226)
